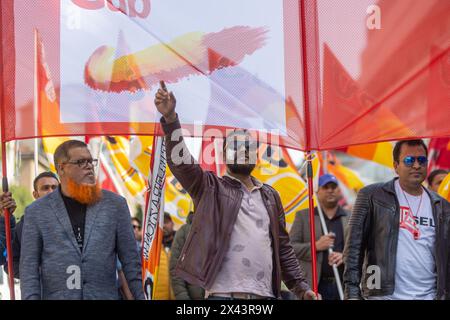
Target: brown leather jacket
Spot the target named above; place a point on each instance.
(217, 202)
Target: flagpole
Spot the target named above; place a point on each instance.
(35, 104)
(6, 213)
(5, 188)
(312, 228)
(325, 160)
(305, 63)
(330, 250)
(36, 157)
(7, 216)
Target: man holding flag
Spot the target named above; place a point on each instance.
(238, 247)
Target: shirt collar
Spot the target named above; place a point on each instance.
(258, 184)
(339, 213)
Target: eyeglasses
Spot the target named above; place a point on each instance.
(84, 162)
(410, 160)
(136, 227)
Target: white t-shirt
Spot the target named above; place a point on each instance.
(415, 271)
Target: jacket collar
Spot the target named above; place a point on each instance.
(91, 213)
(190, 217)
(237, 183)
(233, 182)
(390, 187)
(59, 208)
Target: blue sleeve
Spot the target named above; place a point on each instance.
(3, 237)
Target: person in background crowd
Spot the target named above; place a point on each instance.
(43, 184)
(336, 219)
(137, 229)
(163, 287)
(124, 289)
(435, 179)
(168, 231)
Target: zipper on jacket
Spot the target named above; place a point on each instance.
(395, 230)
(276, 266)
(188, 245)
(213, 275)
(439, 224)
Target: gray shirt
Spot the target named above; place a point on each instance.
(247, 266)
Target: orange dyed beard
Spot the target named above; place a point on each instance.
(84, 193)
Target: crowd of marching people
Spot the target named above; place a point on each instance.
(76, 241)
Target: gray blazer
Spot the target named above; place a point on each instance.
(300, 236)
(51, 264)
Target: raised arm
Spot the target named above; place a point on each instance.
(180, 161)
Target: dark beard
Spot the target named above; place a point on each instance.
(242, 169)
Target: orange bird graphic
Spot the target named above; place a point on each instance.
(193, 53)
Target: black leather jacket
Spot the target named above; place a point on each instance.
(372, 241)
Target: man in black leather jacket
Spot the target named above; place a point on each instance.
(398, 242)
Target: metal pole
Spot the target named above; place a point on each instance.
(5, 188)
(7, 216)
(312, 228)
(330, 250)
(35, 104)
(325, 162)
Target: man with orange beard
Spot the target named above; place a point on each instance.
(72, 236)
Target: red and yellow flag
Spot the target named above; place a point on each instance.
(444, 188)
(273, 170)
(118, 148)
(439, 153)
(141, 153)
(177, 201)
(380, 153)
(154, 217)
(347, 176)
(46, 103)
